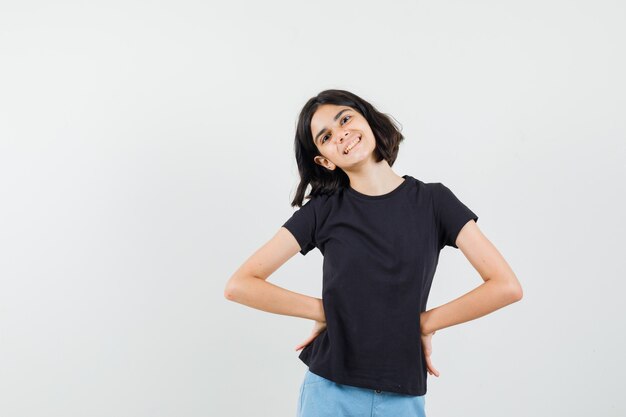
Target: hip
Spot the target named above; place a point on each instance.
(321, 397)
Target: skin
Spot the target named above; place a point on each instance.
(366, 175)
(249, 286)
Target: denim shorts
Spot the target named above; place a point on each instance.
(320, 397)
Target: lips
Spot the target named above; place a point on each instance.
(352, 143)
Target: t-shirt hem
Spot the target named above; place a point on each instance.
(370, 385)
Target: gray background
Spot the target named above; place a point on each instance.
(146, 150)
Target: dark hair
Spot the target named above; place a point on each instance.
(325, 181)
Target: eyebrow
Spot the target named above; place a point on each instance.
(334, 119)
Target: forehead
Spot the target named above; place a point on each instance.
(324, 116)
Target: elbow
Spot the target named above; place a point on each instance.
(509, 289)
(517, 295)
(514, 291)
(229, 294)
(237, 286)
(231, 290)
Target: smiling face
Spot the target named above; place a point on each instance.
(342, 136)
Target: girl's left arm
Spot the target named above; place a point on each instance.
(501, 286)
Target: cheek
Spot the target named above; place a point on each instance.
(371, 139)
(325, 154)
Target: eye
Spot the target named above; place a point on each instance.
(324, 137)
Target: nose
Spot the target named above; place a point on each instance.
(345, 134)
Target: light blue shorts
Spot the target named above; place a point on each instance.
(320, 397)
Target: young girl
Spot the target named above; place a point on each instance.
(380, 235)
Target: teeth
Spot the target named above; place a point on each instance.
(352, 145)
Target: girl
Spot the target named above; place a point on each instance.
(380, 235)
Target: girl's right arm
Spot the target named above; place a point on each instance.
(249, 286)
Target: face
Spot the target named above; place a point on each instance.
(336, 131)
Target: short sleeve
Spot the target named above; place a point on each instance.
(450, 215)
(302, 224)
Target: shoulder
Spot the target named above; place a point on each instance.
(437, 189)
(313, 205)
(439, 195)
(431, 189)
(316, 201)
(434, 187)
(428, 186)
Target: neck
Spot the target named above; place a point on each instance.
(377, 179)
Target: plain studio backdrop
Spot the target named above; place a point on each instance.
(146, 151)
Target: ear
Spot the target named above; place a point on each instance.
(320, 160)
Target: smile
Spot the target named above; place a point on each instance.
(352, 145)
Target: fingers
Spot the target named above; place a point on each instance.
(304, 344)
(431, 369)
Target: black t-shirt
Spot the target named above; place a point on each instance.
(380, 254)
